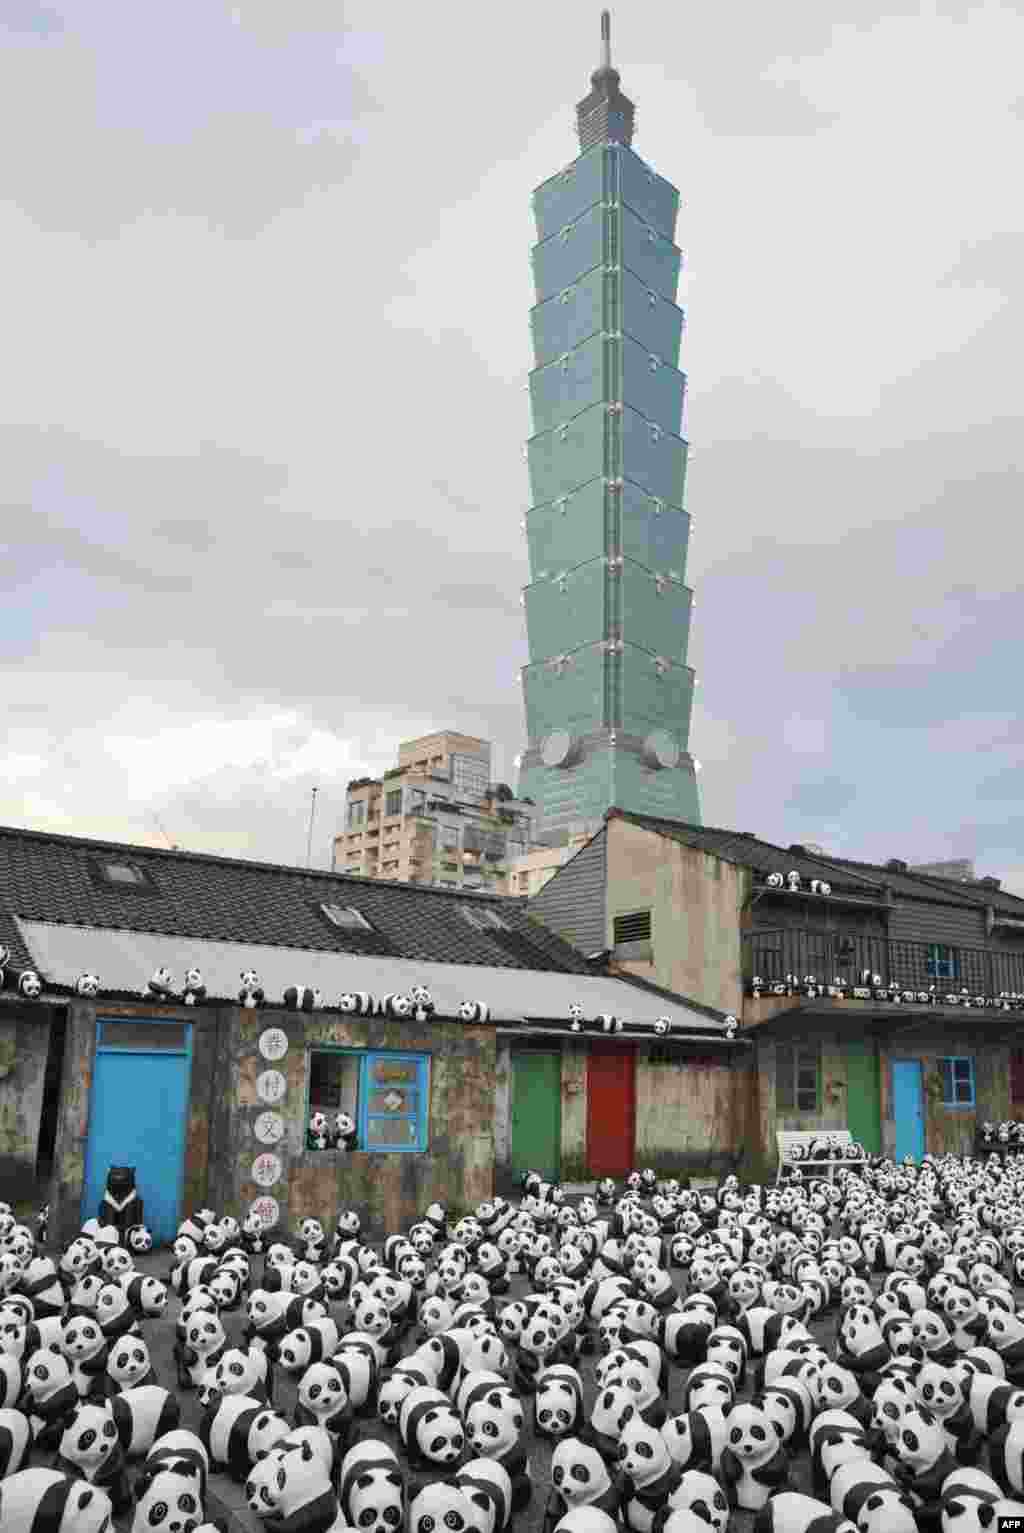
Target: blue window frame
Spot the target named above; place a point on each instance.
(386, 1092)
(957, 1081)
(943, 962)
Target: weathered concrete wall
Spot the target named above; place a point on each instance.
(67, 1180)
(574, 1100)
(24, 1041)
(686, 1111)
(387, 1191)
(695, 901)
(767, 1121)
(949, 1129)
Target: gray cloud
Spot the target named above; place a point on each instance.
(266, 338)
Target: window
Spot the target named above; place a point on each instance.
(393, 802)
(123, 873)
(635, 927)
(386, 1094)
(797, 1068)
(347, 917)
(357, 813)
(943, 962)
(957, 1082)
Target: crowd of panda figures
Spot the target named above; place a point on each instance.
(858, 1338)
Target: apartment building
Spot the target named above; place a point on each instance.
(530, 872)
(435, 818)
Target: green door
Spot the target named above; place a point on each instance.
(537, 1113)
(863, 1104)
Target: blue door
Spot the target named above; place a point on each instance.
(138, 1112)
(908, 1108)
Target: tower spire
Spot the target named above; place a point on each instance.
(606, 114)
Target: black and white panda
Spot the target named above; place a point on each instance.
(662, 1026)
(440, 1504)
(195, 990)
(580, 1478)
(168, 1496)
(251, 993)
(398, 1004)
(129, 1364)
(87, 985)
(29, 984)
(423, 1003)
(90, 1449)
(371, 1488)
(344, 1134)
(299, 998)
(558, 1402)
(312, 1343)
(236, 1430)
(700, 1493)
(606, 1023)
(46, 1501)
(790, 1512)
(15, 1441)
(240, 1373)
(143, 1415)
(324, 1401)
(291, 1488)
(486, 1485)
(474, 1011)
(430, 1429)
(357, 1003)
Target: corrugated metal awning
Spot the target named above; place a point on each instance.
(125, 960)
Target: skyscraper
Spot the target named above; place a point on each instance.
(607, 689)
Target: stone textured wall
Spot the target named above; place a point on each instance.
(695, 901)
(688, 1109)
(24, 1041)
(949, 1129)
(387, 1191)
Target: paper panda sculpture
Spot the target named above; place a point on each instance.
(356, 1003)
(300, 998)
(372, 1492)
(90, 1450)
(474, 1011)
(168, 1496)
(121, 1206)
(575, 1017)
(558, 1402)
(344, 1134)
(430, 1429)
(754, 1461)
(441, 1505)
(195, 990)
(250, 993)
(87, 985)
(161, 985)
(29, 984)
(662, 1026)
(292, 1488)
(51, 1502)
(398, 1005)
(316, 1132)
(422, 1002)
(607, 1023)
(775, 880)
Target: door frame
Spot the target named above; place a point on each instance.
(907, 1059)
(100, 1049)
(607, 1050)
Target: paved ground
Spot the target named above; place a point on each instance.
(228, 1500)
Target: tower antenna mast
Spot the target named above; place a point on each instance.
(606, 39)
(309, 839)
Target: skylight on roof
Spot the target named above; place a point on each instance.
(347, 917)
(123, 873)
(482, 919)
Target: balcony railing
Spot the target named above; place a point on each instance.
(828, 955)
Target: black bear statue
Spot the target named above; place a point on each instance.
(121, 1205)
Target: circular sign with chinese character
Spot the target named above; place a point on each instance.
(267, 1211)
(268, 1127)
(266, 1169)
(274, 1044)
(271, 1086)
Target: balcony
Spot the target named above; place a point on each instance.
(828, 955)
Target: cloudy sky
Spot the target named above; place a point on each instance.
(264, 323)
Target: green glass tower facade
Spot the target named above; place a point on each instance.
(607, 689)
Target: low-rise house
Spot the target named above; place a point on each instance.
(888, 1002)
(450, 1087)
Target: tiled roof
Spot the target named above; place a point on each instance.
(842, 873)
(56, 878)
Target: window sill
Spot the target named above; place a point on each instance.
(314, 1157)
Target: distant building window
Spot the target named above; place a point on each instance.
(471, 775)
(357, 813)
(957, 1081)
(635, 927)
(346, 917)
(123, 875)
(797, 1071)
(943, 962)
(393, 802)
(387, 1095)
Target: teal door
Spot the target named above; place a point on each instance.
(537, 1113)
(138, 1110)
(908, 1108)
(863, 1103)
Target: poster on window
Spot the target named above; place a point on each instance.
(266, 1210)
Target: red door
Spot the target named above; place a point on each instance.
(611, 1109)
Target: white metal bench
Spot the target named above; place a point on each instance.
(786, 1138)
